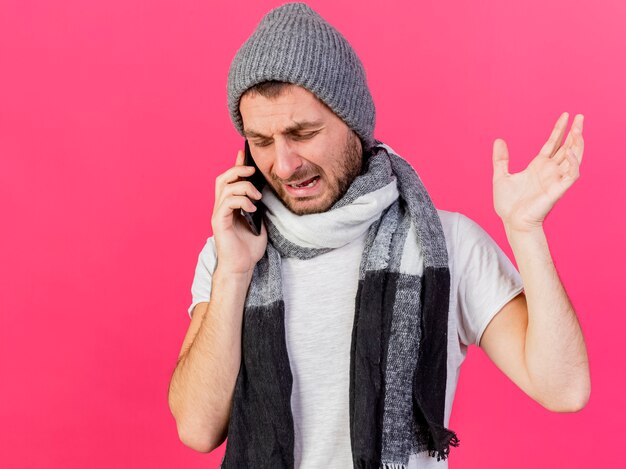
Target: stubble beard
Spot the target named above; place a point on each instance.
(350, 168)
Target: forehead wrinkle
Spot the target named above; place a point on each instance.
(298, 125)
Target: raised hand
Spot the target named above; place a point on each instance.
(523, 200)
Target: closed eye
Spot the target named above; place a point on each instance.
(305, 136)
(293, 135)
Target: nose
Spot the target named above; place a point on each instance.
(287, 160)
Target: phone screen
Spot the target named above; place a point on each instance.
(254, 219)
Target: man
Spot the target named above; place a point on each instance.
(334, 338)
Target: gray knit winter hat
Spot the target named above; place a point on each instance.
(293, 43)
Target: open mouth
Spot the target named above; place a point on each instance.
(304, 184)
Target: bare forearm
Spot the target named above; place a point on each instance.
(555, 352)
(203, 382)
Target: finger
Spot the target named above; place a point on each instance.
(559, 156)
(578, 143)
(500, 158)
(239, 202)
(231, 175)
(240, 188)
(574, 141)
(243, 187)
(556, 137)
(572, 172)
(224, 212)
(240, 158)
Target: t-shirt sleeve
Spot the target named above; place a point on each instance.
(201, 285)
(487, 279)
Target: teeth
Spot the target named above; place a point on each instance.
(300, 186)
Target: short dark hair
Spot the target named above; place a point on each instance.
(269, 89)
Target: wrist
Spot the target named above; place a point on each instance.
(526, 242)
(517, 229)
(232, 277)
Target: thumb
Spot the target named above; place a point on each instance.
(500, 158)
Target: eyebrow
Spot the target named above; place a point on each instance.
(303, 125)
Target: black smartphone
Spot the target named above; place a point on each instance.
(254, 219)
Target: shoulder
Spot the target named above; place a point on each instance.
(449, 222)
(461, 232)
(474, 256)
(483, 278)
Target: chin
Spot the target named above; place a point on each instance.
(302, 208)
(308, 206)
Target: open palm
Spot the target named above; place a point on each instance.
(523, 200)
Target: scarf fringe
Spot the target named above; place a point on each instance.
(441, 455)
(450, 440)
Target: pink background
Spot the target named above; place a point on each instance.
(113, 127)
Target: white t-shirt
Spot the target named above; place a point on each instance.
(319, 295)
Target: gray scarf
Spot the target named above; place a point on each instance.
(398, 354)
